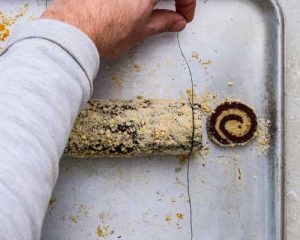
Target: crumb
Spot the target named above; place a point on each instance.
(168, 218)
(118, 80)
(7, 21)
(206, 102)
(136, 68)
(207, 62)
(180, 216)
(182, 161)
(229, 84)
(74, 219)
(195, 55)
(52, 202)
(263, 136)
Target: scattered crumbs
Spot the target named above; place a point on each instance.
(74, 219)
(100, 232)
(180, 216)
(104, 232)
(136, 68)
(140, 97)
(239, 174)
(7, 21)
(179, 182)
(182, 161)
(52, 202)
(178, 227)
(168, 218)
(205, 62)
(206, 102)
(83, 210)
(173, 200)
(204, 150)
(229, 84)
(63, 217)
(118, 80)
(263, 136)
(189, 93)
(195, 55)
(102, 217)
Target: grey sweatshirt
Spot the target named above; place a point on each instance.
(46, 76)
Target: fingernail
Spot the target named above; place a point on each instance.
(178, 26)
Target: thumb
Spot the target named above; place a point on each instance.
(164, 21)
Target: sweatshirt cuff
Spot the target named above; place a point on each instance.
(76, 43)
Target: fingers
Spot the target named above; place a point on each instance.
(164, 21)
(186, 8)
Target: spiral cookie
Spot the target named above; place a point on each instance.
(232, 123)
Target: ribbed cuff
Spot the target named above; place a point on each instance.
(76, 43)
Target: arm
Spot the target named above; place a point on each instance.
(44, 80)
(46, 75)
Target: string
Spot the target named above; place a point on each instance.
(193, 136)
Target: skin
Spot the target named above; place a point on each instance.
(115, 26)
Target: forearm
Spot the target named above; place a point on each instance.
(45, 77)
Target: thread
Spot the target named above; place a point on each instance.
(193, 136)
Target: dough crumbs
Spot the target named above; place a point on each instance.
(204, 151)
(104, 232)
(136, 68)
(195, 55)
(168, 218)
(183, 159)
(204, 63)
(52, 202)
(263, 136)
(118, 80)
(207, 100)
(7, 21)
(229, 84)
(180, 216)
(74, 219)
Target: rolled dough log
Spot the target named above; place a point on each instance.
(140, 127)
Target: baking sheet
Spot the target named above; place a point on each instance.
(236, 193)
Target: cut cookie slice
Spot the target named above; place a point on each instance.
(232, 123)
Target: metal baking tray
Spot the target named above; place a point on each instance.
(236, 193)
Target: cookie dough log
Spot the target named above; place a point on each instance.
(140, 127)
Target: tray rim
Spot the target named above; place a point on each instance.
(280, 105)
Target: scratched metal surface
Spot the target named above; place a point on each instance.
(235, 193)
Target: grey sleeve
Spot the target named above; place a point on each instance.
(46, 75)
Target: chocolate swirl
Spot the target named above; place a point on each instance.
(232, 123)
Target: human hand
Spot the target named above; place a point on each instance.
(117, 25)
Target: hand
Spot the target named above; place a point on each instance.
(117, 25)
